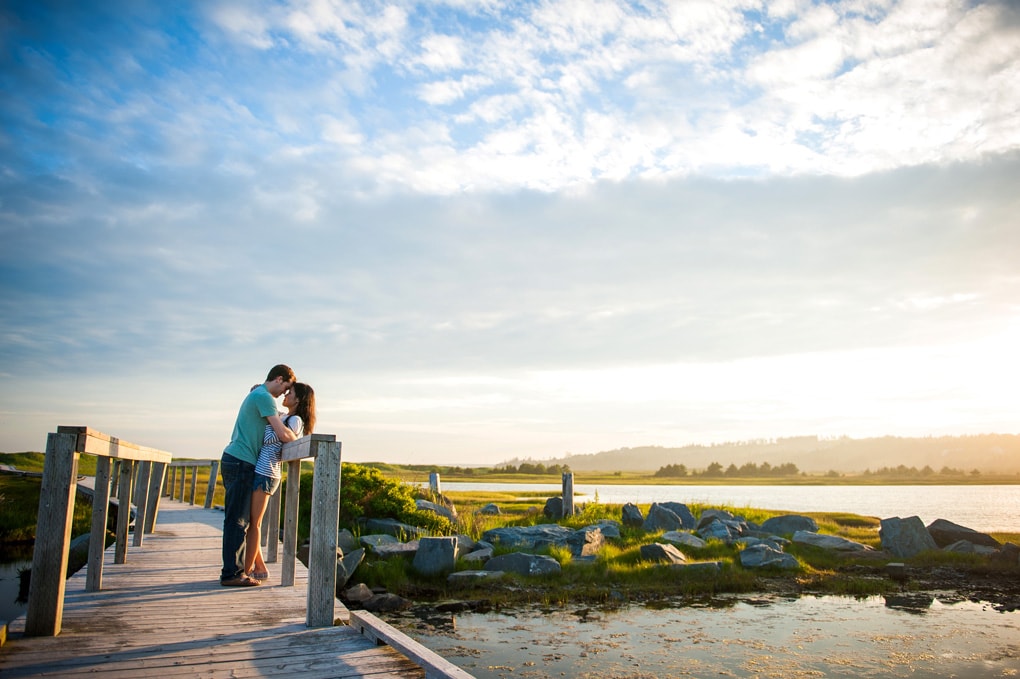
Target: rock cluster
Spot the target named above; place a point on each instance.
(682, 536)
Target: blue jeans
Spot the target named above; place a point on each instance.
(238, 477)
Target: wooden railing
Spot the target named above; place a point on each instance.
(146, 468)
(56, 510)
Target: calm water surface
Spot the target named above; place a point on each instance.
(983, 508)
(767, 637)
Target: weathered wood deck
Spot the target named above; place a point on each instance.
(164, 614)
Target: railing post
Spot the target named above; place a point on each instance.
(155, 492)
(52, 537)
(271, 528)
(141, 500)
(568, 494)
(210, 490)
(100, 516)
(435, 486)
(123, 511)
(184, 476)
(325, 517)
(194, 481)
(290, 523)
(171, 479)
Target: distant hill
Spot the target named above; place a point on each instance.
(988, 453)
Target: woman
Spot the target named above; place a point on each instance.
(300, 418)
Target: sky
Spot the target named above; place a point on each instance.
(490, 230)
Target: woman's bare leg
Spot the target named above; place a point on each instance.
(253, 540)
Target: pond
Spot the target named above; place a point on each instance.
(912, 635)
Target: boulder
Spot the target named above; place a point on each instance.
(586, 542)
(610, 529)
(1008, 554)
(390, 527)
(684, 539)
(360, 593)
(480, 555)
(346, 541)
(763, 556)
(968, 547)
(661, 518)
(523, 564)
(435, 555)
(945, 533)
(631, 516)
(701, 568)
(529, 537)
(687, 519)
(371, 541)
(717, 530)
(465, 543)
(831, 542)
(346, 564)
(442, 510)
(905, 537)
(553, 508)
(490, 509)
(473, 576)
(789, 524)
(384, 603)
(388, 550)
(662, 553)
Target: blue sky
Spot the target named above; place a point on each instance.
(485, 230)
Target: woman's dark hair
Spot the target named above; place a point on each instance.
(306, 405)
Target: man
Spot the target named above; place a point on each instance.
(237, 468)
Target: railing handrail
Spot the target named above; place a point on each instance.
(56, 509)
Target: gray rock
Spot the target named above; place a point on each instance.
(480, 555)
(346, 541)
(383, 603)
(661, 518)
(1008, 554)
(945, 533)
(586, 542)
(435, 555)
(442, 510)
(388, 550)
(346, 565)
(684, 539)
(360, 593)
(631, 515)
(789, 524)
(610, 529)
(720, 514)
(968, 547)
(662, 553)
(763, 556)
(523, 564)
(390, 527)
(700, 568)
(832, 542)
(465, 543)
(687, 519)
(376, 540)
(553, 508)
(905, 537)
(490, 509)
(529, 537)
(717, 530)
(473, 576)
(748, 540)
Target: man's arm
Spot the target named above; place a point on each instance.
(283, 432)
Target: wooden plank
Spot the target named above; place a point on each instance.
(94, 442)
(435, 665)
(165, 615)
(305, 446)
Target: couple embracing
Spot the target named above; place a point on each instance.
(250, 469)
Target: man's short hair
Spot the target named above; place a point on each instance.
(283, 371)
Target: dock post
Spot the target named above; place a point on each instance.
(52, 536)
(568, 494)
(155, 492)
(123, 511)
(325, 517)
(435, 486)
(141, 500)
(210, 490)
(290, 523)
(100, 515)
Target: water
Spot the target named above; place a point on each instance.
(10, 582)
(915, 636)
(983, 508)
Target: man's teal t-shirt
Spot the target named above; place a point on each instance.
(250, 426)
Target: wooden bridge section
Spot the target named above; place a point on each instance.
(160, 611)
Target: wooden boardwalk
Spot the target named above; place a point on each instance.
(164, 614)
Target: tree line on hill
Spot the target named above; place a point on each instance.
(714, 469)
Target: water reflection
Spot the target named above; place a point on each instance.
(903, 635)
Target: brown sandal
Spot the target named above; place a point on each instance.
(240, 581)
